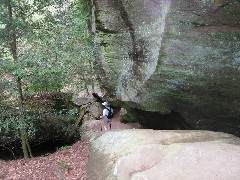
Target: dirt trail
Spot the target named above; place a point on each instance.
(95, 125)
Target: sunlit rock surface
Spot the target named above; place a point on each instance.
(149, 154)
(168, 55)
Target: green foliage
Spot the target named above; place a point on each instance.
(54, 49)
(46, 119)
(63, 148)
(54, 46)
(8, 125)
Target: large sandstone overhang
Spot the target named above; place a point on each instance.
(168, 55)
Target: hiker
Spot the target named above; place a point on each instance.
(106, 116)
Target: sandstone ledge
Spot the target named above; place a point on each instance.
(149, 154)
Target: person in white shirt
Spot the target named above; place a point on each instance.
(105, 119)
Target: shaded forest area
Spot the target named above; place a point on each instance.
(46, 55)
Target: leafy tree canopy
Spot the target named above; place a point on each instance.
(52, 43)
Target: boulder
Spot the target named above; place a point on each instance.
(151, 154)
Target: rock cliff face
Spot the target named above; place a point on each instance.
(172, 55)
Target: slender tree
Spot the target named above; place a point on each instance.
(12, 37)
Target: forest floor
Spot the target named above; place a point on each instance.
(67, 164)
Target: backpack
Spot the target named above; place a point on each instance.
(110, 114)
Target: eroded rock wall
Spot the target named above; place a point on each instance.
(173, 55)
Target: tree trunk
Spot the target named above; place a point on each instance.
(24, 143)
(13, 47)
(23, 132)
(28, 146)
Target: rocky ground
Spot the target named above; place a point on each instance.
(67, 164)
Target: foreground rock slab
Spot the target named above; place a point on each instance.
(148, 154)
